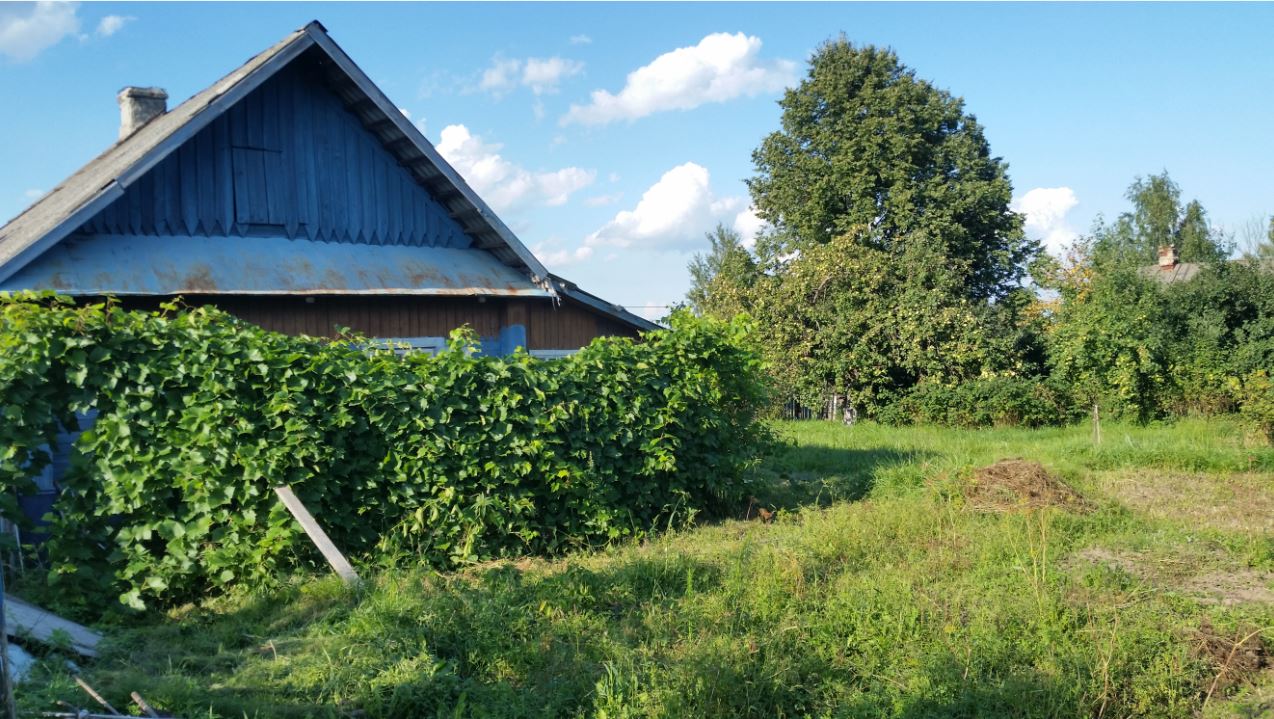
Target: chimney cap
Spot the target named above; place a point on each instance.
(1168, 256)
(153, 93)
(138, 106)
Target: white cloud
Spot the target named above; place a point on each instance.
(651, 310)
(748, 225)
(406, 113)
(1046, 209)
(556, 257)
(603, 200)
(504, 184)
(673, 214)
(543, 75)
(581, 40)
(613, 177)
(501, 77)
(720, 68)
(33, 194)
(112, 24)
(27, 29)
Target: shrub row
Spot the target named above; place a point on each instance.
(984, 402)
(456, 457)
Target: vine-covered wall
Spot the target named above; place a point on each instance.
(453, 458)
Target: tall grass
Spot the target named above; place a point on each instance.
(876, 593)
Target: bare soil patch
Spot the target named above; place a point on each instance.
(1238, 658)
(1016, 485)
(1243, 586)
(1219, 584)
(1233, 502)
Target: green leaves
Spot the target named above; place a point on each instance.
(456, 458)
(864, 143)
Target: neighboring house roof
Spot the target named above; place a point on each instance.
(1167, 274)
(1186, 271)
(105, 179)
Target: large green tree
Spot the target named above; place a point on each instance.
(846, 318)
(864, 143)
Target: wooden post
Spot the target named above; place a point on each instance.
(333, 555)
(6, 681)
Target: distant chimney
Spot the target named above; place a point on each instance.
(1167, 257)
(138, 106)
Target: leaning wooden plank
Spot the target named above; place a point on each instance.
(22, 619)
(317, 535)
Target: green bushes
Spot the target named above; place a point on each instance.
(1256, 402)
(457, 457)
(1130, 345)
(985, 402)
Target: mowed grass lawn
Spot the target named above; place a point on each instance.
(878, 591)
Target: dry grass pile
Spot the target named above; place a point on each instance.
(1017, 484)
(1238, 659)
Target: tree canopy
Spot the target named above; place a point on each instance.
(864, 143)
(1158, 219)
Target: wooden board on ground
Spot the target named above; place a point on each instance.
(23, 619)
(317, 535)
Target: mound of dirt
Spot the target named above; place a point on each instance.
(1238, 659)
(1017, 484)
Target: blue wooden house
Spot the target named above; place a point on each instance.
(294, 195)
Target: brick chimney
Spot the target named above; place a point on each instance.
(138, 106)
(1167, 257)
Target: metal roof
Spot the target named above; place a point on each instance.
(1186, 271)
(101, 181)
(566, 288)
(164, 265)
(1168, 274)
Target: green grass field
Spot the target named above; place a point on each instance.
(878, 591)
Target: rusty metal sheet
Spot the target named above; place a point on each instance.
(138, 265)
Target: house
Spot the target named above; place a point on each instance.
(293, 194)
(1170, 269)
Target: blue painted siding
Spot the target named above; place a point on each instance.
(48, 483)
(287, 161)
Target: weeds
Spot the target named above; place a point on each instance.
(900, 603)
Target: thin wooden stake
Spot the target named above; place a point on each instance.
(96, 697)
(6, 680)
(333, 555)
(146, 708)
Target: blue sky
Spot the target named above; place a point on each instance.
(611, 137)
